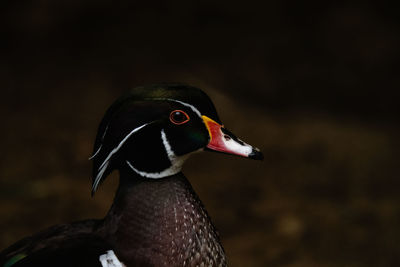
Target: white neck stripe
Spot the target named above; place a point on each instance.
(176, 162)
(155, 175)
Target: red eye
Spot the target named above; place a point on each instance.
(178, 117)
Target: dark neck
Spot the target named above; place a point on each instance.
(161, 222)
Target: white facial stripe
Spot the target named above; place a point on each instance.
(115, 150)
(167, 146)
(101, 144)
(110, 260)
(176, 162)
(97, 152)
(98, 177)
(195, 110)
(105, 163)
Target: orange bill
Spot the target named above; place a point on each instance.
(224, 141)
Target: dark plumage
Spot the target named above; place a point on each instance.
(156, 218)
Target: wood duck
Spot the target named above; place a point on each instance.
(156, 218)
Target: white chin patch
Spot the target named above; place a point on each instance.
(110, 260)
(176, 162)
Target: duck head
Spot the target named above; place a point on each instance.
(153, 129)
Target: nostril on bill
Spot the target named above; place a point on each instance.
(227, 137)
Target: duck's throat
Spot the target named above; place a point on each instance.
(161, 223)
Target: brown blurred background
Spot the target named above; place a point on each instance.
(314, 85)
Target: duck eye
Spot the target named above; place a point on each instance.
(178, 117)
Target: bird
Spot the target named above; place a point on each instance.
(156, 218)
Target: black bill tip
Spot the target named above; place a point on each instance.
(256, 154)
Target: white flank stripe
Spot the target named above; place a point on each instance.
(110, 260)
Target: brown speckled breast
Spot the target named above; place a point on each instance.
(161, 223)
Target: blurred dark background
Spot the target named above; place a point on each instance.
(313, 84)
